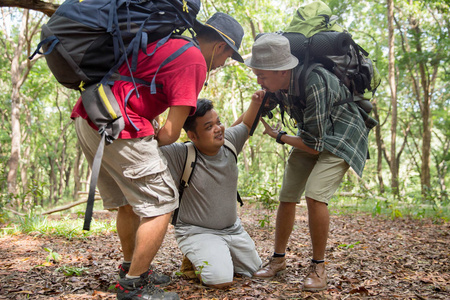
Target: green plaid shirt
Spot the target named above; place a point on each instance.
(342, 129)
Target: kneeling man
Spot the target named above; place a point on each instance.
(208, 230)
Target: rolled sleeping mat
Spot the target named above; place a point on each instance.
(322, 44)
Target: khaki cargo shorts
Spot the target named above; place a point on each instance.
(133, 171)
(316, 175)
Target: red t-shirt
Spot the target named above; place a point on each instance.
(178, 84)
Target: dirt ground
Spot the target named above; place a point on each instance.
(367, 258)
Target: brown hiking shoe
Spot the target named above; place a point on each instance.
(316, 279)
(275, 266)
(187, 269)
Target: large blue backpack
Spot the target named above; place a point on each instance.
(86, 41)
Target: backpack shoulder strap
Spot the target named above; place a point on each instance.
(189, 165)
(188, 170)
(231, 147)
(302, 78)
(95, 170)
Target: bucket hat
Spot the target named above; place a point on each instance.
(272, 51)
(228, 28)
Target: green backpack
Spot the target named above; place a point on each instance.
(316, 38)
(314, 18)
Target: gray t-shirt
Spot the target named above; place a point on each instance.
(210, 199)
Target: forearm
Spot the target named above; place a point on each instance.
(239, 120)
(296, 142)
(249, 116)
(171, 130)
(167, 137)
(291, 140)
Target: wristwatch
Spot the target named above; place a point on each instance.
(281, 133)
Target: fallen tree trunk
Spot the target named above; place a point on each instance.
(67, 206)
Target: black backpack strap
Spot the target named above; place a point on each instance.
(258, 115)
(168, 60)
(188, 169)
(94, 177)
(306, 70)
(231, 147)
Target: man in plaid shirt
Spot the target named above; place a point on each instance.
(330, 139)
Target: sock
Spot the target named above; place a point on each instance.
(278, 254)
(317, 261)
(132, 277)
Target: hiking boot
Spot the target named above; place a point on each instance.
(141, 289)
(153, 276)
(275, 266)
(316, 279)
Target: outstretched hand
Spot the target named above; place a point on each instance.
(258, 96)
(272, 131)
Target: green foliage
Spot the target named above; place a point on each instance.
(267, 199)
(33, 223)
(200, 268)
(69, 271)
(52, 256)
(407, 207)
(349, 246)
(49, 145)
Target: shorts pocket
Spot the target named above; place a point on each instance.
(153, 180)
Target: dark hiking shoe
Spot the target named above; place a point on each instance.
(141, 289)
(153, 276)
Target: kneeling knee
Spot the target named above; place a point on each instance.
(220, 285)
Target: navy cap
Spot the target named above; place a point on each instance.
(228, 28)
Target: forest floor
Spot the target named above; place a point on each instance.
(367, 258)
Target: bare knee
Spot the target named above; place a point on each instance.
(126, 210)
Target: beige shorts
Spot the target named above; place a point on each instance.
(133, 171)
(316, 175)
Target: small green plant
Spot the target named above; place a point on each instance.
(264, 221)
(349, 246)
(72, 271)
(267, 198)
(52, 256)
(200, 268)
(395, 213)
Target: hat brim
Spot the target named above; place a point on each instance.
(236, 56)
(292, 63)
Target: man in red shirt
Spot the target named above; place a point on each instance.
(134, 177)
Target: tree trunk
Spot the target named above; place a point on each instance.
(425, 178)
(379, 150)
(17, 80)
(393, 88)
